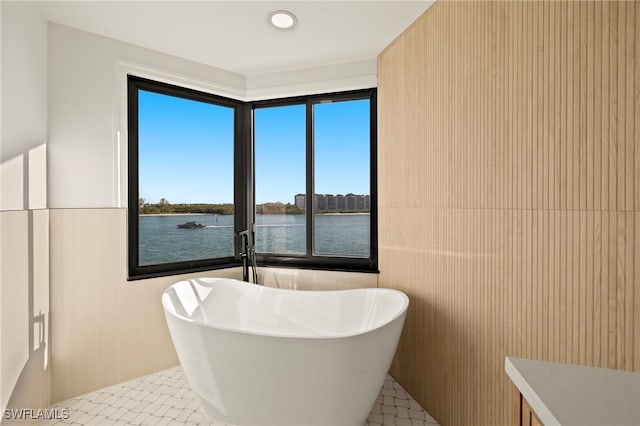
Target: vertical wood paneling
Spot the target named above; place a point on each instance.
(620, 111)
(613, 106)
(556, 73)
(629, 108)
(582, 142)
(636, 105)
(613, 288)
(597, 291)
(573, 103)
(583, 286)
(604, 84)
(589, 42)
(547, 107)
(604, 293)
(509, 175)
(597, 104)
(636, 289)
(589, 307)
(574, 249)
(628, 299)
(564, 170)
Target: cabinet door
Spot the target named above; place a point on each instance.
(529, 418)
(524, 415)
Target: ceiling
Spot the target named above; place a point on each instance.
(236, 35)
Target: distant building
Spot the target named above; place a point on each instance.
(331, 202)
(321, 202)
(338, 203)
(350, 202)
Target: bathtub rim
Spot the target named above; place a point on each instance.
(401, 312)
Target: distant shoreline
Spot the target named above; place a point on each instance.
(276, 214)
(181, 214)
(345, 213)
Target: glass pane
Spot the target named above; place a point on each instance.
(185, 179)
(342, 179)
(280, 179)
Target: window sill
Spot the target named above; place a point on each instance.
(162, 270)
(318, 264)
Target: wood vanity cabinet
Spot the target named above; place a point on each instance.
(523, 414)
(566, 394)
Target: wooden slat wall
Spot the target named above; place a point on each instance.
(509, 195)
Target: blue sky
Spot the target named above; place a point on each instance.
(186, 150)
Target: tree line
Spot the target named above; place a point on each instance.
(165, 207)
(278, 208)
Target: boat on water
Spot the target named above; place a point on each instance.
(191, 225)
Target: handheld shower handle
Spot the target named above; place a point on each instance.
(244, 244)
(248, 256)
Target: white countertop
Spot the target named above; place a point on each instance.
(573, 395)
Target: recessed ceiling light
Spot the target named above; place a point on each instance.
(282, 19)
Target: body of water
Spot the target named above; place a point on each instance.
(161, 241)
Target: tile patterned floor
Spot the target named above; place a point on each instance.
(165, 398)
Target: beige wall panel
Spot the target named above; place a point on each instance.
(636, 293)
(104, 329)
(25, 309)
(307, 279)
(636, 119)
(14, 298)
(509, 195)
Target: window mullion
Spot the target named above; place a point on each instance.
(250, 173)
(133, 189)
(243, 171)
(373, 212)
(310, 179)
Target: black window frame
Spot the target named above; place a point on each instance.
(244, 183)
(310, 260)
(135, 270)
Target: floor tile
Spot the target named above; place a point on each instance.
(165, 399)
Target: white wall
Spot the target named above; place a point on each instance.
(24, 105)
(298, 82)
(86, 106)
(24, 280)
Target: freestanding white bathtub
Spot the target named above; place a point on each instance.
(261, 356)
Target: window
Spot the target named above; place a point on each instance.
(181, 175)
(342, 178)
(319, 148)
(280, 140)
(300, 172)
